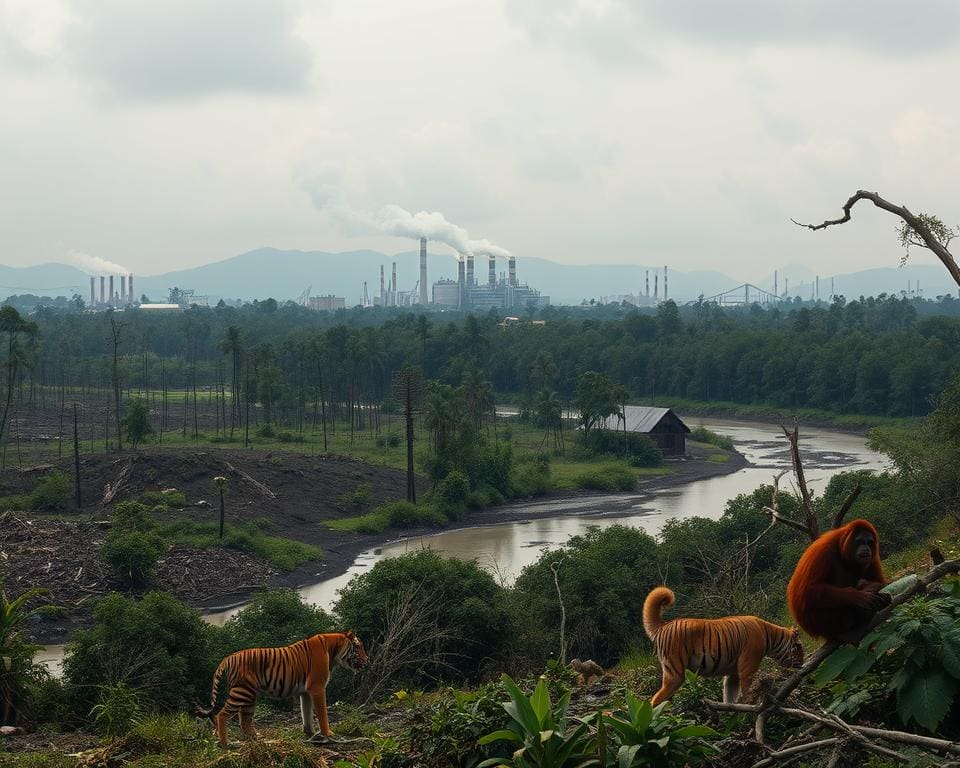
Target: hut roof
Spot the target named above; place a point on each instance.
(641, 418)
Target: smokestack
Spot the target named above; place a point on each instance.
(493, 271)
(393, 289)
(111, 290)
(832, 294)
(130, 287)
(103, 293)
(786, 286)
(513, 271)
(381, 285)
(816, 290)
(664, 283)
(423, 270)
(775, 283)
(93, 291)
(470, 282)
(123, 289)
(655, 287)
(648, 283)
(460, 280)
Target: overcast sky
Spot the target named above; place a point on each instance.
(169, 133)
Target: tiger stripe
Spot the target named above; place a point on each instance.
(302, 668)
(731, 647)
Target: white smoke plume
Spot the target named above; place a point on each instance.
(393, 219)
(486, 248)
(96, 265)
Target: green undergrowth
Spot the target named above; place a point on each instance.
(285, 554)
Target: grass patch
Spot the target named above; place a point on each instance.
(372, 522)
(397, 514)
(285, 554)
(703, 435)
(566, 474)
(612, 478)
(718, 458)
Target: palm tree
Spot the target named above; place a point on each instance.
(550, 415)
(543, 370)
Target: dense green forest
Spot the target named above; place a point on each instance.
(878, 356)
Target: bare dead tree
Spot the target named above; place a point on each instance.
(413, 642)
(921, 230)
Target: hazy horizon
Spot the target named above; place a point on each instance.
(164, 136)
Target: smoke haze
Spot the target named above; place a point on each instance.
(95, 264)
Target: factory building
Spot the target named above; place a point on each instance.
(328, 303)
(504, 292)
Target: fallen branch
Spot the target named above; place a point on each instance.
(255, 483)
(913, 221)
(111, 490)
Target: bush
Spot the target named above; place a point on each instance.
(132, 516)
(531, 478)
(358, 498)
(703, 435)
(463, 598)
(604, 577)
(52, 493)
(639, 448)
(393, 439)
(611, 478)
(286, 554)
(132, 555)
(117, 710)
(157, 646)
(168, 498)
(273, 618)
(403, 514)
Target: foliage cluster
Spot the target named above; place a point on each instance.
(51, 494)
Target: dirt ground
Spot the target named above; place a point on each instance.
(294, 494)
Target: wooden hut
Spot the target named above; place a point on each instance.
(661, 425)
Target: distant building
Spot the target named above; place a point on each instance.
(446, 293)
(661, 425)
(160, 307)
(329, 303)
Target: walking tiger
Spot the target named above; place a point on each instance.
(302, 668)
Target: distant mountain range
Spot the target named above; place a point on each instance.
(268, 272)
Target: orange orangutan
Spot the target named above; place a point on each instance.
(835, 588)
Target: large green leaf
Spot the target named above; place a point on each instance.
(926, 699)
(501, 735)
(835, 664)
(519, 708)
(540, 701)
(950, 653)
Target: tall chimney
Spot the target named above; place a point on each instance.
(111, 291)
(423, 270)
(493, 270)
(393, 290)
(775, 283)
(786, 286)
(382, 303)
(93, 291)
(130, 287)
(664, 283)
(123, 289)
(460, 280)
(648, 283)
(103, 292)
(470, 282)
(655, 276)
(513, 271)
(832, 294)
(816, 289)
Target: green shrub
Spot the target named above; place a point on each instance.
(609, 479)
(604, 577)
(372, 522)
(703, 435)
(381, 441)
(19, 502)
(117, 709)
(639, 449)
(359, 497)
(168, 498)
(266, 430)
(460, 597)
(157, 646)
(477, 500)
(290, 437)
(393, 439)
(531, 478)
(132, 555)
(132, 516)
(454, 488)
(286, 554)
(403, 514)
(52, 493)
(274, 617)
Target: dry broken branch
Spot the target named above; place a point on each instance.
(845, 507)
(811, 527)
(912, 220)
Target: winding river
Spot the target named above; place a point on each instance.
(505, 548)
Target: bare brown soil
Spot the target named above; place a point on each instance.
(289, 495)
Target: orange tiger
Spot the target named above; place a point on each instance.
(300, 669)
(732, 647)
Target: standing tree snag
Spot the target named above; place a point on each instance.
(918, 229)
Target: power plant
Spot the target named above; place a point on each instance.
(501, 291)
(123, 298)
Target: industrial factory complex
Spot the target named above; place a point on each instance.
(498, 291)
